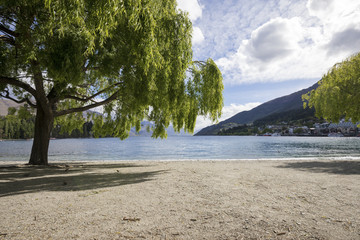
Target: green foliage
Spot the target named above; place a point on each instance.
(298, 131)
(11, 111)
(241, 130)
(267, 130)
(84, 132)
(5, 62)
(24, 113)
(17, 124)
(70, 122)
(133, 55)
(20, 125)
(295, 117)
(338, 94)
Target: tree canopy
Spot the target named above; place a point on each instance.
(133, 57)
(338, 94)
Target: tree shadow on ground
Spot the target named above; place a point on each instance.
(333, 167)
(75, 177)
(23, 170)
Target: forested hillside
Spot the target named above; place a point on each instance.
(277, 108)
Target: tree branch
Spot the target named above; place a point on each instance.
(7, 39)
(8, 31)
(199, 62)
(81, 109)
(17, 101)
(88, 98)
(30, 103)
(17, 83)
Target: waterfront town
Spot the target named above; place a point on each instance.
(341, 129)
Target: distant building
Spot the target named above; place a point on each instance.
(346, 128)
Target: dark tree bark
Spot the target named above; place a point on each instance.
(43, 127)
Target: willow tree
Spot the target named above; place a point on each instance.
(338, 93)
(133, 57)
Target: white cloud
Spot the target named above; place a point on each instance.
(227, 112)
(343, 41)
(320, 8)
(198, 36)
(296, 46)
(334, 12)
(192, 7)
(195, 12)
(274, 40)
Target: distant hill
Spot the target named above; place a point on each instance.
(5, 104)
(144, 133)
(276, 107)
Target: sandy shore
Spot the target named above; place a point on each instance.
(181, 200)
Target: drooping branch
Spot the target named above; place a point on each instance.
(199, 62)
(84, 108)
(17, 83)
(195, 63)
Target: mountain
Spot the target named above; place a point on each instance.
(274, 107)
(5, 104)
(144, 133)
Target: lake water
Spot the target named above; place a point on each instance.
(188, 148)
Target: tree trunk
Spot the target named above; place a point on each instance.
(43, 127)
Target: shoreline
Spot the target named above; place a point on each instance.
(258, 199)
(107, 161)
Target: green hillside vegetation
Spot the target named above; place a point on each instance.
(294, 118)
(298, 117)
(241, 130)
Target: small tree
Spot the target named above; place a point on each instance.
(132, 57)
(338, 94)
(298, 131)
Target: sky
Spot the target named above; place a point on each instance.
(271, 48)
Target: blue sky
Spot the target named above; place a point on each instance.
(271, 48)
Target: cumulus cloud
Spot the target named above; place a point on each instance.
(198, 36)
(293, 47)
(195, 12)
(192, 7)
(344, 41)
(335, 12)
(276, 39)
(227, 112)
(320, 8)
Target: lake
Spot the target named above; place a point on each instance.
(189, 148)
